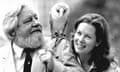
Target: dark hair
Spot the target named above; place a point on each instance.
(99, 53)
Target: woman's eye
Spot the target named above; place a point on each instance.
(28, 20)
(88, 36)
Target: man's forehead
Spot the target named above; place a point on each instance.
(27, 11)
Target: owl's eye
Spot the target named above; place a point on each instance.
(64, 11)
(58, 10)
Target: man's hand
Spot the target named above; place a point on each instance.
(46, 58)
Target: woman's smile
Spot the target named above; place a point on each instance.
(84, 39)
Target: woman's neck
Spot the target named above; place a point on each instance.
(84, 58)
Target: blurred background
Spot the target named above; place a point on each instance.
(110, 9)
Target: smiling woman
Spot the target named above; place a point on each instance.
(84, 38)
(90, 44)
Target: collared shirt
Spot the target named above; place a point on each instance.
(19, 59)
(90, 67)
(114, 67)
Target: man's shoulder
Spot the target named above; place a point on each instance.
(5, 49)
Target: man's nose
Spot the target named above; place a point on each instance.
(36, 23)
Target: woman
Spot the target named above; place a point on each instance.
(90, 45)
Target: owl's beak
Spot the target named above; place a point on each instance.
(61, 12)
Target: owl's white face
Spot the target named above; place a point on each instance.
(59, 10)
(59, 15)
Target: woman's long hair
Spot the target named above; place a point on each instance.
(100, 52)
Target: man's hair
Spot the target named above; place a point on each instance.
(10, 22)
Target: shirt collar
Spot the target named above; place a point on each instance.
(17, 50)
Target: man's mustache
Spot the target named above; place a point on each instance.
(37, 28)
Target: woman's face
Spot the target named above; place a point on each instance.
(84, 38)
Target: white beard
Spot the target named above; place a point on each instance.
(34, 40)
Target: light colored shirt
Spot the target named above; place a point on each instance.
(19, 58)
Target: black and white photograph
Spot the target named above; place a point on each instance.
(60, 36)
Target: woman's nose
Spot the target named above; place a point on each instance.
(81, 39)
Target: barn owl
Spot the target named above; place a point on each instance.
(58, 17)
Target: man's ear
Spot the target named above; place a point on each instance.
(11, 35)
(9, 27)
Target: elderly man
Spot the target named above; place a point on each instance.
(25, 51)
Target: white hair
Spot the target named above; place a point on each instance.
(11, 19)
